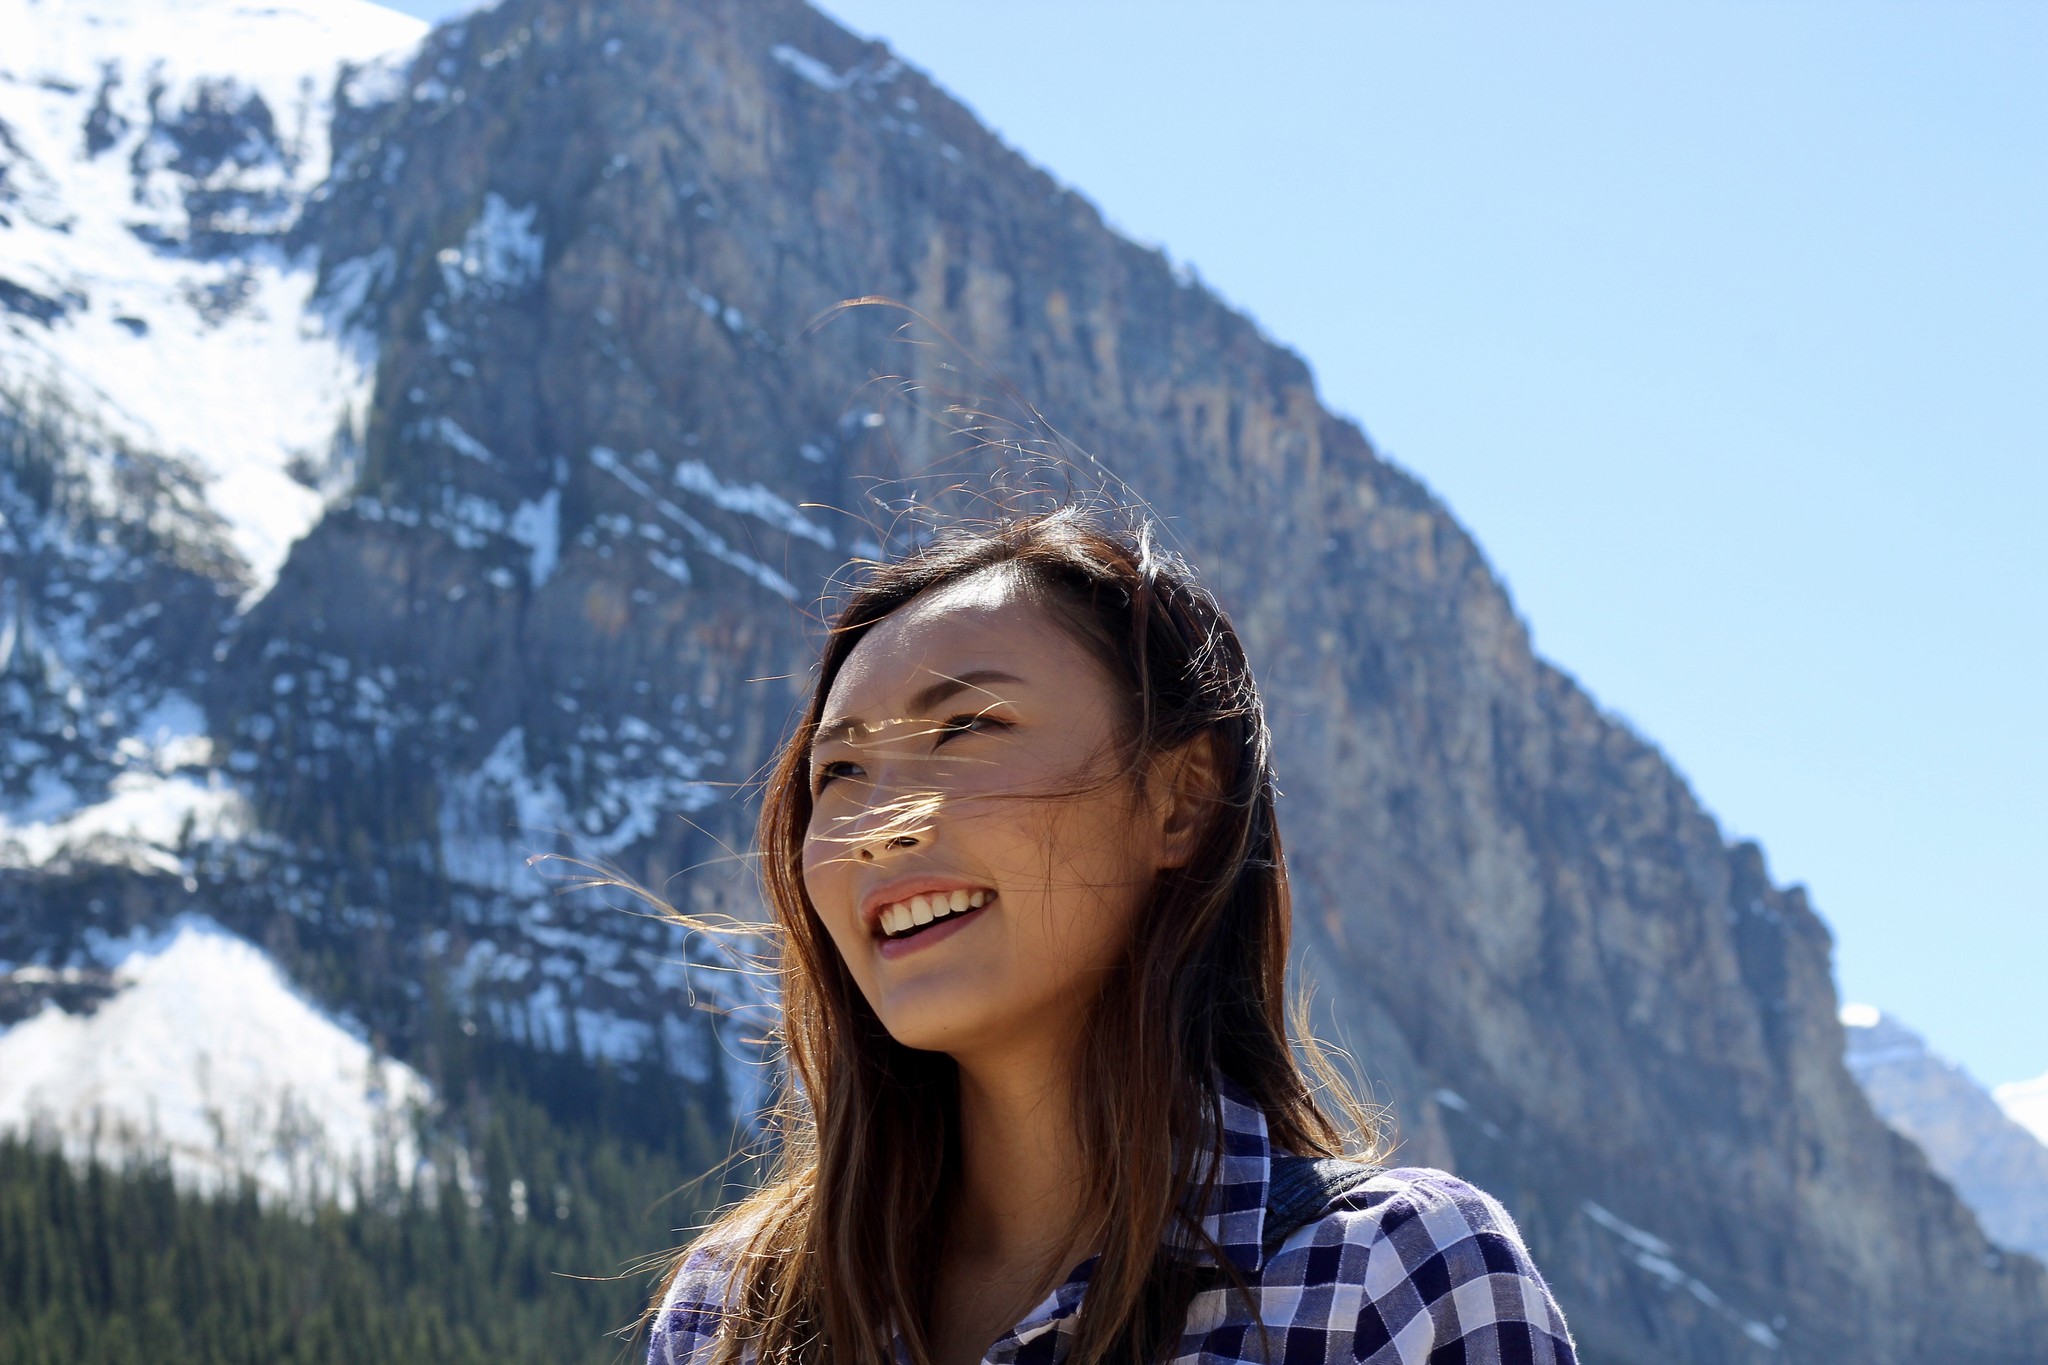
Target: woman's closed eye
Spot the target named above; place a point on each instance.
(826, 772)
(970, 722)
(966, 723)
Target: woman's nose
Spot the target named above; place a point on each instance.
(894, 823)
(867, 849)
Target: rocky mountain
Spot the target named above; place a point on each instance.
(170, 406)
(507, 536)
(1997, 1165)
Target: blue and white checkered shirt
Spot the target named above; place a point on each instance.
(1413, 1267)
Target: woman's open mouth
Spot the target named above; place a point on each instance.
(919, 914)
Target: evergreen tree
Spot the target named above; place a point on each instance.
(578, 1177)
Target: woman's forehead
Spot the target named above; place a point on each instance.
(980, 624)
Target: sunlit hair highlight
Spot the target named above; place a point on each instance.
(835, 1253)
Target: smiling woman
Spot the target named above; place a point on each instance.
(1011, 801)
(1042, 1103)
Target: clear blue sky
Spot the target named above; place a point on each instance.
(1723, 325)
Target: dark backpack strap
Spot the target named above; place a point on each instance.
(1301, 1189)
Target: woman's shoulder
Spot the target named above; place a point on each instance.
(1420, 1254)
(1393, 1196)
(1370, 1202)
(694, 1309)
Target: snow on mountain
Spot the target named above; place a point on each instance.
(162, 795)
(152, 156)
(2026, 1103)
(167, 371)
(141, 824)
(1998, 1166)
(204, 1054)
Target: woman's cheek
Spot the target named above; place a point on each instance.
(825, 882)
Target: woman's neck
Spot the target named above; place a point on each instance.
(1015, 1224)
(1022, 1173)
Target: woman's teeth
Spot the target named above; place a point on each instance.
(908, 916)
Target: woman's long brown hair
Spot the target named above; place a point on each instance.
(835, 1254)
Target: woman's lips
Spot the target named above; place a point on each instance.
(893, 948)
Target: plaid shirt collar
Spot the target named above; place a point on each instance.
(1234, 1216)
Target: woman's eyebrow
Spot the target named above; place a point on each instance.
(926, 698)
(949, 687)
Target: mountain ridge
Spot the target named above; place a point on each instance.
(1971, 1136)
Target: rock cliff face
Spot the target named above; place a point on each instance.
(571, 586)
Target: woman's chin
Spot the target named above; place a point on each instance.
(927, 1031)
(962, 1027)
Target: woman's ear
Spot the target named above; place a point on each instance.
(1182, 783)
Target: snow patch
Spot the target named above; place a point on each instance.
(860, 77)
(495, 817)
(751, 500)
(626, 779)
(184, 326)
(538, 526)
(381, 80)
(2026, 1103)
(449, 433)
(1654, 1254)
(169, 736)
(710, 541)
(207, 1057)
(469, 519)
(597, 1034)
(145, 822)
(809, 67)
(500, 254)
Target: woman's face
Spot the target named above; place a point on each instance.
(976, 850)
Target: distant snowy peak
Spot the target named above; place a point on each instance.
(151, 157)
(1978, 1143)
(204, 1054)
(2026, 1103)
